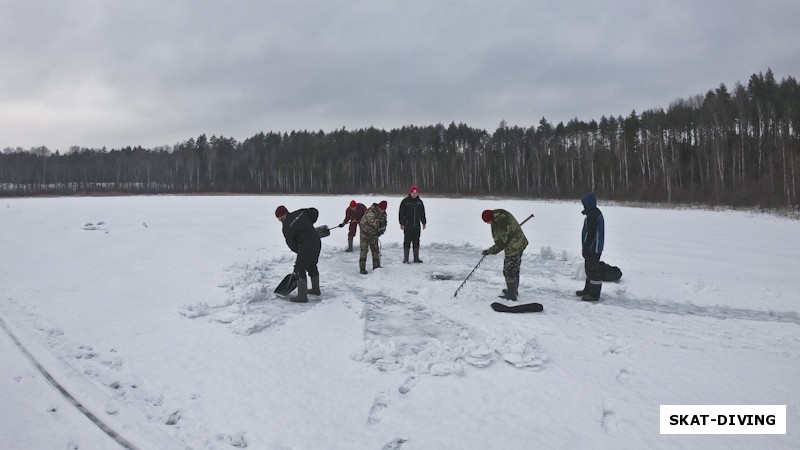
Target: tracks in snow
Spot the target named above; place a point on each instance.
(65, 393)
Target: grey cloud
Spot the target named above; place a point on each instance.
(154, 73)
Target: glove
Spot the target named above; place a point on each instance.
(583, 253)
(485, 252)
(342, 224)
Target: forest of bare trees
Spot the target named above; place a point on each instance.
(736, 147)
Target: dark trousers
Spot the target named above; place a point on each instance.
(307, 259)
(411, 236)
(591, 264)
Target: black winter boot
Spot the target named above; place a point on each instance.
(302, 292)
(405, 255)
(349, 245)
(594, 291)
(315, 286)
(583, 291)
(416, 255)
(510, 293)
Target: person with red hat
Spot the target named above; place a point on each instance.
(412, 222)
(373, 225)
(508, 237)
(353, 215)
(303, 239)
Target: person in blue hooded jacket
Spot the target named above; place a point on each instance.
(592, 237)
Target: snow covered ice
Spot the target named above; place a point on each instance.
(164, 326)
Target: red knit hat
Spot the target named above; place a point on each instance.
(281, 211)
(383, 205)
(413, 188)
(352, 203)
(487, 215)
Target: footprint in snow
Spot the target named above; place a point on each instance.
(408, 384)
(609, 420)
(615, 349)
(381, 402)
(395, 444)
(234, 440)
(174, 418)
(624, 376)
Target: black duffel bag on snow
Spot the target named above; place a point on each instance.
(610, 273)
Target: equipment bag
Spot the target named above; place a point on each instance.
(609, 272)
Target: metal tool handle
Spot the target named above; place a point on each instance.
(470, 274)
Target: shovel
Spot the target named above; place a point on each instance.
(286, 286)
(325, 231)
(289, 282)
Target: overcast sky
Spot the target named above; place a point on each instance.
(109, 73)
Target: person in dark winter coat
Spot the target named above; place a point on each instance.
(412, 222)
(592, 239)
(303, 239)
(353, 215)
(508, 236)
(373, 225)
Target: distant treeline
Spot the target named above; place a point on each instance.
(736, 148)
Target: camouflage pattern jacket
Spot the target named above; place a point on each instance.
(373, 224)
(507, 234)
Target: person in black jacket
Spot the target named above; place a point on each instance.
(303, 239)
(412, 222)
(592, 240)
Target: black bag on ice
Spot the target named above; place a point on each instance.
(610, 273)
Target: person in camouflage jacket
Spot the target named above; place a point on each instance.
(508, 237)
(372, 225)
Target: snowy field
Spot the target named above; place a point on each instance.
(155, 315)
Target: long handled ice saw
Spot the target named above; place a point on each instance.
(470, 274)
(479, 262)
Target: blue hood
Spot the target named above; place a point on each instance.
(589, 202)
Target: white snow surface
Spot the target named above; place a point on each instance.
(156, 315)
